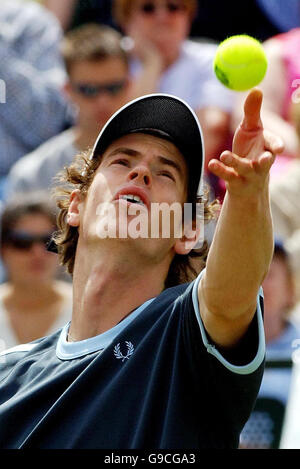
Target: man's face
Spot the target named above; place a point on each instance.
(147, 167)
(98, 89)
(165, 23)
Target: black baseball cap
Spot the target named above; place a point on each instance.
(167, 117)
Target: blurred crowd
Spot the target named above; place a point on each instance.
(67, 66)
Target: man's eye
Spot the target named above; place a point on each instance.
(121, 162)
(167, 174)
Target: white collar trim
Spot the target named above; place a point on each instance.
(69, 350)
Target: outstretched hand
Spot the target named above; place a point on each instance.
(245, 170)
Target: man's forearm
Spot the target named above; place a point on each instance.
(239, 256)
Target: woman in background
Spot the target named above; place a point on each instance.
(33, 302)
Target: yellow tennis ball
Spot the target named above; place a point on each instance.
(240, 62)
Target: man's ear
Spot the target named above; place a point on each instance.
(73, 215)
(189, 240)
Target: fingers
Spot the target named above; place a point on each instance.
(231, 166)
(263, 165)
(273, 143)
(252, 108)
(221, 170)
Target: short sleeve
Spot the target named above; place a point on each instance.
(251, 346)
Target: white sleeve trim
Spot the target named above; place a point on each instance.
(239, 369)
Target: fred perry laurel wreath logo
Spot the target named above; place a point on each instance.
(118, 354)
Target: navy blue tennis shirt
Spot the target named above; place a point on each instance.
(155, 380)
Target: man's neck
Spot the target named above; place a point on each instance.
(107, 290)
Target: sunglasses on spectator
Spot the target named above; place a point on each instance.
(24, 241)
(149, 8)
(91, 91)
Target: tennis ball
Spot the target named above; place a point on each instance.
(240, 62)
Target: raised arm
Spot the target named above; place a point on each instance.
(242, 246)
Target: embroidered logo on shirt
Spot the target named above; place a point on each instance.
(119, 355)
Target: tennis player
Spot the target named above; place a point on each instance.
(148, 361)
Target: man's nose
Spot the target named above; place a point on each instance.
(141, 173)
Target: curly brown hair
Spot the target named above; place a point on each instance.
(79, 175)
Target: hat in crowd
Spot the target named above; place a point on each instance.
(167, 117)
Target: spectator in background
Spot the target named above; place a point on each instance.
(285, 204)
(283, 15)
(98, 84)
(32, 301)
(164, 60)
(32, 107)
(263, 429)
(259, 18)
(64, 11)
(74, 13)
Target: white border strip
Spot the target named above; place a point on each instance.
(69, 350)
(239, 369)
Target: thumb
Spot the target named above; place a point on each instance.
(252, 108)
